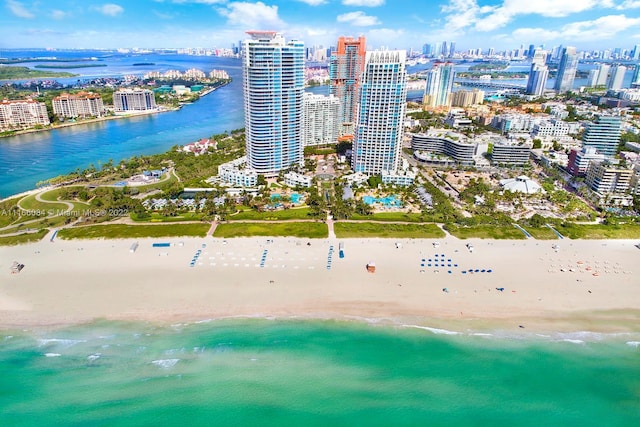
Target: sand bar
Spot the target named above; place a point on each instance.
(581, 285)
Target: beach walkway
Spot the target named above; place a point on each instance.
(214, 225)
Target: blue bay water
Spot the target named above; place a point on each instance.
(268, 372)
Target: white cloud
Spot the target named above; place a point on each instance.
(110, 9)
(629, 4)
(363, 3)
(257, 16)
(199, 1)
(605, 27)
(358, 19)
(19, 10)
(313, 2)
(59, 14)
(387, 37)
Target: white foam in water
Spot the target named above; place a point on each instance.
(64, 343)
(573, 341)
(434, 330)
(93, 357)
(52, 355)
(635, 344)
(165, 363)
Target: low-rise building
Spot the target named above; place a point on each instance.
(21, 114)
(455, 145)
(293, 179)
(605, 177)
(403, 178)
(236, 173)
(579, 160)
(511, 152)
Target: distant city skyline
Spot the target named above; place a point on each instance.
(397, 24)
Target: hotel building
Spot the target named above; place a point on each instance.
(320, 119)
(20, 114)
(345, 70)
(83, 104)
(273, 85)
(511, 153)
(428, 147)
(133, 100)
(605, 178)
(377, 144)
(579, 160)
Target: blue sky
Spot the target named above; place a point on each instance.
(502, 24)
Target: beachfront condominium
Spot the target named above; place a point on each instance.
(22, 113)
(82, 104)
(439, 86)
(273, 86)
(617, 77)
(567, 70)
(377, 143)
(603, 135)
(320, 119)
(345, 70)
(133, 100)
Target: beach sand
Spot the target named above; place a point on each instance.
(584, 285)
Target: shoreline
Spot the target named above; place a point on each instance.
(76, 282)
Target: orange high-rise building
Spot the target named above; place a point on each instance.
(345, 71)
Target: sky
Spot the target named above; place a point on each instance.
(402, 24)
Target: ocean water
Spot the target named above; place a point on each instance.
(294, 372)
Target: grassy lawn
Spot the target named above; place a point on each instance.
(52, 196)
(250, 214)
(398, 231)
(156, 217)
(23, 238)
(31, 204)
(313, 230)
(508, 232)
(122, 231)
(599, 231)
(391, 217)
(542, 233)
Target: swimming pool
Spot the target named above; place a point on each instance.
(389, 201)
(294, 197)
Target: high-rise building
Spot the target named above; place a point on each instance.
(603, 74)
(439, 85)
(377, 144)
(345, 70)
(566, 70)
(83, 104)
(617, 77)
(273, 86)
(135, 99)
(635, 53)
(538, 74)
(592, 79)
(22, 113)
(320, 119)
(635, 80)
(464, 98)
(603, 134)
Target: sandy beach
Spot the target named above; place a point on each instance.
(583, 285)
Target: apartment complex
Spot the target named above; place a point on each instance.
(511, 153)
(320, 119)
(456, 146)
(606, 178)
(20, 114)
(466, 98)
(345, 70)
(377, 142)
(137, 99)
(82, 104)
(273, 86)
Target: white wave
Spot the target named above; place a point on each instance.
(573, 341)
(93, 357)
(62, 342)
(434, 330)
(481, 334)
(165, 363)
(52, 355)
(635, 344)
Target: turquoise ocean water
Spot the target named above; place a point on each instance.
(281, 372)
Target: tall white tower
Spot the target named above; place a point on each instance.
(273, 85)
